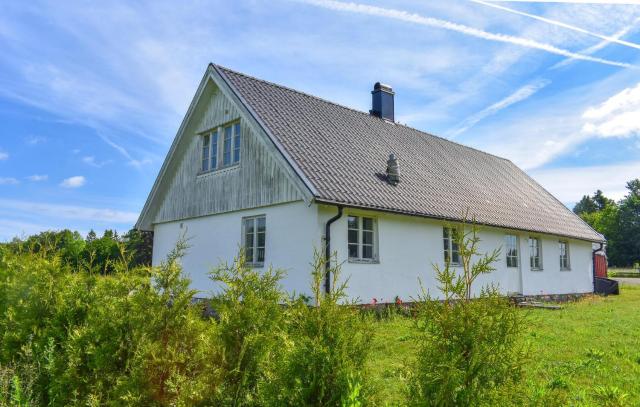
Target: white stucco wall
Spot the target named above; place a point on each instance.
(291, 237)
(408, 246)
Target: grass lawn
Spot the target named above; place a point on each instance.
(594, 342)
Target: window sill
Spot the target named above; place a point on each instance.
(255, 265)
(221, 170)
(363, 261)
(537, 269)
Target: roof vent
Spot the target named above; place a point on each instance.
(393, 170)
(382, 101)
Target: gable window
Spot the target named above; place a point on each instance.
(511, 249)
(223, 141)
(564, 255)
(451, 250)
(362, 238)
(254, 230)
(535, 253)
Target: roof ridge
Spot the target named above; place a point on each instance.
(353, 110)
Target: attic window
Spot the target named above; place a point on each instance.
(222, 141)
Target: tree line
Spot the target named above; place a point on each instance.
(618, 221)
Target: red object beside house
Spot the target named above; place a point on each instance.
(600, 265)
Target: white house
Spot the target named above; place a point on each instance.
(264, 167)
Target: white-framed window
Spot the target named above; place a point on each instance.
(222, 141)
(535, 253)
(565, 263)
(451, 249)
(254, 231)
(511, 250)
(362, 238)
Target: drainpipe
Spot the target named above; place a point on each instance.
(593, 260)
(327, 253)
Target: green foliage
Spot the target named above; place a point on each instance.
(469, 350)
(251, 327)
(322, 360)
(131, 337)
(618, 222)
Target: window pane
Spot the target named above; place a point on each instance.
(261, 239)
(262, 224)
(205, 153)
(353, 250)
(352, 222)
(248, 239)
(367, 237)
(226, 154)
(455, 258)
(353, 236)
(214, 150)
(445, 233)
(260, 258)
(236, 143)
(367, 224)
(367, 252)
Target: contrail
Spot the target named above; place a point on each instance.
(519, 95)
(463, 29)
(560, 24)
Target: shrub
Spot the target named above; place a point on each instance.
(469, 351)
(250, 327)
(322, 363)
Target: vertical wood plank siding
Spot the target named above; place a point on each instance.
(257, 181)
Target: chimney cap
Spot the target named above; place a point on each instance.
(383, 87)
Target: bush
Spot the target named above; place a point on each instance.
(322, 360)
(251, 327)
(469, 351)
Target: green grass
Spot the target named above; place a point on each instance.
(623, 272)
(581, 355)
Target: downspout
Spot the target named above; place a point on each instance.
(593, 260)
(327, 253)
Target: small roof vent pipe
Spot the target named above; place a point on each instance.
(393, 170)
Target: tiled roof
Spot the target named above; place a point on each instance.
(343, 153)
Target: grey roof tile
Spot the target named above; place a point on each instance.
(343, 152)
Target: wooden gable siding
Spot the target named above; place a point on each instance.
(257, 181)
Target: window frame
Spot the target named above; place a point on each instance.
(360, 239)
(516, 247)
(539, 256)
(216, 151)
(253, 262)
(449, 242)
(567, 255)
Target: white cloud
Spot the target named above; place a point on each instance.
(38, 178)
(607, 2)
(91, 160)
(463, 29)
(69, 212)
(34, 140)
(8, 181)
(73, 182)
(618, 116)
(571, 183)
(4, 156)
(519, 95)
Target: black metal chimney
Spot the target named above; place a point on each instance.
(382, 101)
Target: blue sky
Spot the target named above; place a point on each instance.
(91, 95)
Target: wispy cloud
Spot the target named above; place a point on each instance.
(73, 182)
(518, 96)
(569, 184)
(618, 116)
(91, 160)
(4, 155)
(37, 178)
(69, 212)
(406, 16)
(623, 2)
(34, 140)
(8, 181)
(606, 38)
